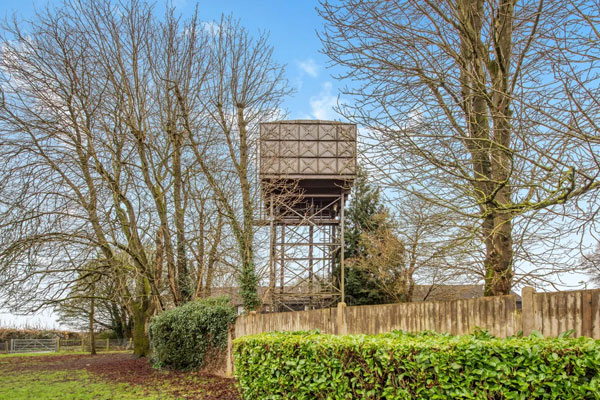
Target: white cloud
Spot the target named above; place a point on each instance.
(321, 105)
(178, 3)
(309, 67)
(211, 27)
(298, 82)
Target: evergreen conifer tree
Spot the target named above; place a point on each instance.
(361, 286)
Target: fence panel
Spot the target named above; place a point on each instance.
(557, 312)
(101, 344)
(70, 345)
(33, 345)
(120, 344)
(54, 345)
(498, 315)
(324, 320)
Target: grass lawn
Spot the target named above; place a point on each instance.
(67, 385)
(11, 355)
(103, 377)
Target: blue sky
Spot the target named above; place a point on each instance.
(292, 25)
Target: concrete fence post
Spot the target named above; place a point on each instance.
(341, 327)
(527, 310)
(252, 317)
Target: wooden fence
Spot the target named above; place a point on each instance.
(498, 315)
(553, 313)
(56, 345)
(548, 313)
(325, 320)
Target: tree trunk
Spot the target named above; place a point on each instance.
(491, 161)
(183, 276)
(128, 328)
(92, 312)
(201, 229)
(141, 344)
(142, 310)
(212, 256)
(500, 258)
(249, 281)
(249, 285)
(115, 317)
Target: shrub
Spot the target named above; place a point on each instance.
(408, 366)
(192, 335)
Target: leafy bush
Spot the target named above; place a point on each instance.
(192, 335)
(399, 365)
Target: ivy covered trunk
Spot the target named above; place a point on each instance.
(248, 279)
(142, 311)
(249, 286)
(141, 345)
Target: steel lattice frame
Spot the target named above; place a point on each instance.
(304, 247)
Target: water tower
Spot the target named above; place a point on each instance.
(307, 169)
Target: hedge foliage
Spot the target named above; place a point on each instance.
(188, 336)
(397, 365)
(7, 334)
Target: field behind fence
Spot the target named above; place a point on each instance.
(548, 313)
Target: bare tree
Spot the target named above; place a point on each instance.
(437, 250)
(591, 265)
(245, 86)
(110, 311)
(98, 160)
(462, 109)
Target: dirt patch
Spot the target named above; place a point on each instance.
(189, 385)
(124, 368)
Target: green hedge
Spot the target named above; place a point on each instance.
(427, 366)
(192, 335)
